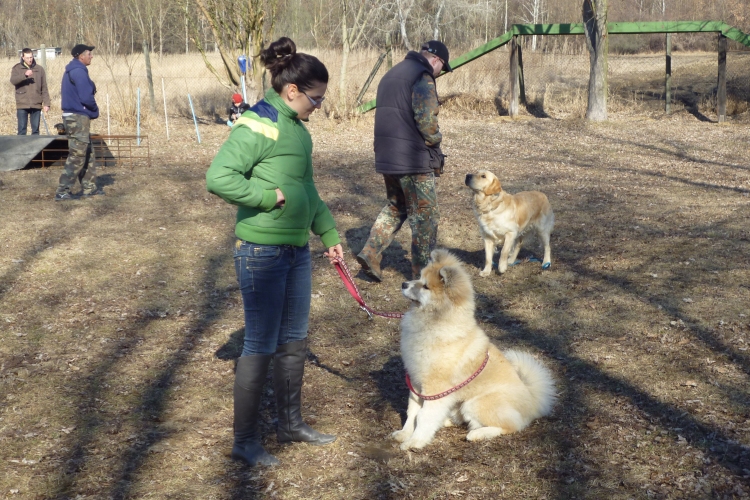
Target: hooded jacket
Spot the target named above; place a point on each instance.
(31, 92)
(269, 148)
(78, 91)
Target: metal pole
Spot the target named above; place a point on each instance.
(195, 120)
(164, 96)
(45, 123)
(138, 121)
(108, 124)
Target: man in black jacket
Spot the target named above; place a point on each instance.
(407, 153)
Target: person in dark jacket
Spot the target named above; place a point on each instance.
(79, 108)
(407, 153)
(265, 169)
(32, 95)
(236, 109)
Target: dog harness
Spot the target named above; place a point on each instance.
(453, 389)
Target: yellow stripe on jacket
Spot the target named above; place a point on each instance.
(259, 127)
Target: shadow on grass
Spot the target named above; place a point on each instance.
(147, 413)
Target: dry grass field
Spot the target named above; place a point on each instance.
(120, 320)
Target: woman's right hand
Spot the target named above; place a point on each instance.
(279, 198)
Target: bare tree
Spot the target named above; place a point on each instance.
(404, 8)
(595, 26)
(350, 36)
(237, 28)
(533, 12)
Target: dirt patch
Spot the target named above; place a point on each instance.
(121, 319)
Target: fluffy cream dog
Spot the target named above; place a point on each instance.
(505, 217)
(442, 347)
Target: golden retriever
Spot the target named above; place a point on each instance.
(442, 347)
(504, 218)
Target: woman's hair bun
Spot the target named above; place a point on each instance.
(278, 55)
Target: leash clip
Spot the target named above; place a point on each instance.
(367, 311)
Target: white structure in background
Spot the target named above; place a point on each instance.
(49, 52)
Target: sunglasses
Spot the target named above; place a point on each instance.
(314, 102)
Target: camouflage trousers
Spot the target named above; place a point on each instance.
(410, 197)
(80, 164)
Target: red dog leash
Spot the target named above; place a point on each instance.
(453, 389)
(346, 277)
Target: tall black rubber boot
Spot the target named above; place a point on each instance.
(288, 368)
(248, 387)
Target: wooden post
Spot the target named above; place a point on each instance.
(521, 85)
(513, 104)
(721, 94)
(668, 79)
(149, 77)
(389, 51)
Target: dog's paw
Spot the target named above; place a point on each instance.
(484, 433)
(413, 444)
(401, 435)
(485, 272)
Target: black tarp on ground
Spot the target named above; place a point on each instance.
(18, 151)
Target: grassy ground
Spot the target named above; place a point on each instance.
(120, 321)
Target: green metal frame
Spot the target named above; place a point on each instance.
(577, 29)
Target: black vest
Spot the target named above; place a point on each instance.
(399, 146)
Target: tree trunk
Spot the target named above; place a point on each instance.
(149, 77)
(595, 26)
(344, 56)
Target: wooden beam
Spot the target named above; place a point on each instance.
(513, 98)
(668, 79)
(721, 94)
(521, 85)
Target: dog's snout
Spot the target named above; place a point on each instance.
(404, 285)
(468, 179)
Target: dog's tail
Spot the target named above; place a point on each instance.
(536, 377)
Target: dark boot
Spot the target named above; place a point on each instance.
(369, 260)
(248, 387)
(288, 367)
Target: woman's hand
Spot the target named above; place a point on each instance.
(333, 252)
(279, 198)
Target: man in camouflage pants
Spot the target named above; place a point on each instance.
(79, 108)
(407, 153)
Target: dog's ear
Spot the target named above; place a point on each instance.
(447, 273)
(494, 188)
(456, 284)
(438, 255)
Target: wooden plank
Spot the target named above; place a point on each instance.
(668, 78)
(721, 94)
(513, 100)
(521, 85)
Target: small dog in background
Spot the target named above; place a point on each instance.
(504, 218)
(455, 374)
(60, 128)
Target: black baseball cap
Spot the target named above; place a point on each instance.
(80, 49)
(439, 49)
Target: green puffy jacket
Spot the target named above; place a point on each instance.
(270, 148)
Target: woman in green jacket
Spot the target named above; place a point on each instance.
(265, 168)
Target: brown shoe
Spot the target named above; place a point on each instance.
(370, 268)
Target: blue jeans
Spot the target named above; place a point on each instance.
(276, 283)
(23, 116)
